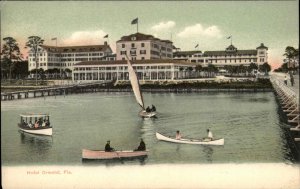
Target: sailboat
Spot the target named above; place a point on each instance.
(137, 91)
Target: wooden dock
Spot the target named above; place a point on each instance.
(55, 91)
(289, 101)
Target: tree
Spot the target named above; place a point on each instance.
(20, 69)
(265, 67)
(198, 69)
(68, 71)
(10, 53)
(252, 67)
(291, 53)
(33, 43)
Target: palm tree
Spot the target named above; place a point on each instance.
(198, 69)
(33, 43)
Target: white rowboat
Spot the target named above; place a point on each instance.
(102, 155)
(190, 141)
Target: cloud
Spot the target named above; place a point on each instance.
(198, 30)
(85, 38)
(163, 26)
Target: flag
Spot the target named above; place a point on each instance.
(106, 36)
(135, 21)
(229, 37)
(196, 45)
(55, 38)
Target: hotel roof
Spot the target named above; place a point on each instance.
(228, 53)
(121, 62)
(141, 37)
(84, 48)
(262, 46)
(185, 53)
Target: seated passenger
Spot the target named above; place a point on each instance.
(30, 124)
(153, 108)
(141, 147)
(36, 125)
(178, 135)
(108, 148)
(148, 109)
(44, 123)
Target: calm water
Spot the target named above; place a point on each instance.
(249, 122)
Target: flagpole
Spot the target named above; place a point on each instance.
(137, 27)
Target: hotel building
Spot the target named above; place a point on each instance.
(230, 56)
(50, 57)
(158, 69)
(140, 46)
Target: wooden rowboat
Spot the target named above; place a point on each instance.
(190, 141)
(102, 155)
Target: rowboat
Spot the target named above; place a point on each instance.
(137, 92)
(35, 123)
(190, 141)
(102, 155)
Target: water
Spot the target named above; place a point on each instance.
(249, 122)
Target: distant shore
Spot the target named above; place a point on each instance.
(170, 86)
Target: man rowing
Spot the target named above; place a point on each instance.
(108, 148)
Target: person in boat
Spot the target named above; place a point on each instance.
(44, 123)
(24, 124)
(36, 124)
(209, 135)
(47, 123)
(178, 135)
(141, 147)
(148, 109)
(30, 124)
(153, 108)
(108, 148)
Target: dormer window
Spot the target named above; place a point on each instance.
(133, 38)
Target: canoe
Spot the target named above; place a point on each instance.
(37, 131)
(190, 141)
(102, 155)
(145, 114)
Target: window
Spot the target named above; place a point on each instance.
(132, 45)
(123, 45)
(143, 45)
(133, 38)
(133, 52)
(123, 52)
(142, 51)
(143, 58)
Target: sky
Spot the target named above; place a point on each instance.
(186, 23)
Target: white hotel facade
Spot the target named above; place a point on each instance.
(63, 57)
(156, 69)
(230, 56)
(140, 46)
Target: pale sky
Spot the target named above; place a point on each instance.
(187, 23)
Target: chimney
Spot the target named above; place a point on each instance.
(105, 42)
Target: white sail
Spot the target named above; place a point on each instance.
(135, 84)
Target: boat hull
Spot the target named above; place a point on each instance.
(39, 131)
(189, 141)
(145, 114)
(102, 155)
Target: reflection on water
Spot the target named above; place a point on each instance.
(39, 143)
(114, 162)
(208, 150)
